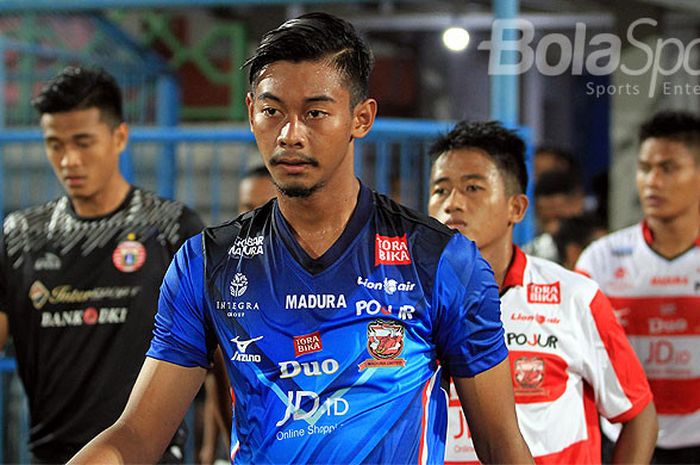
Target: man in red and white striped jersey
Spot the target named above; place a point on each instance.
(651, 273)
(570, 359)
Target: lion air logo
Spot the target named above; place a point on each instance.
(385, 341)
(529, 372)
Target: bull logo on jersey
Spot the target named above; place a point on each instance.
(38, 294)
(239, 284)
(529, 372)
(385, 342)
(129, 256)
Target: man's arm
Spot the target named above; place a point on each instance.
(489, 406)
(158, 403)
(637, 438)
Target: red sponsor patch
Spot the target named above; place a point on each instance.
(391, 250)
(129, 256)
(307, 344)
(543, 293)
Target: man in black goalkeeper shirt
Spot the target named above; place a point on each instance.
(80, 275)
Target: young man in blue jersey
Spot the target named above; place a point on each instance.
(336, 308)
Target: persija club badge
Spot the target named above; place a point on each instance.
(391, 250)
(129, 256)
(385, 340)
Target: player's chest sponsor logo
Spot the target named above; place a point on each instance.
(537, 318)
(622, 251)
(292, 368)
(84, 317)
(310, 407)
(668, 281)
(245, 350)
(666, 359)
(385, 342)
(537, 377)
(129, 256)
(544, 293)
(40, 295)
(545, 341)
(667, 326)
(238, 285)
(374, 307)
(47, 262)
(389, 285)
(237, 309)
(391, 250)
(247, 247)
(314, 301)
(307, 344)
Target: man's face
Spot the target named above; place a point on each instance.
(468, 194)
(668, 179)
(301, 118)
(552, 209)
(254, 192)
(83, 151)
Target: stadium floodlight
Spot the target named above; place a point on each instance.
(455, 39)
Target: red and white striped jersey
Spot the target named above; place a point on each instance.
(570, 362)
(657, 301)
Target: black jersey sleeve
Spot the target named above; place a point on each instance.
(3, 275)
(190, 225)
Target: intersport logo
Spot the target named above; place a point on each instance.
(514, 38)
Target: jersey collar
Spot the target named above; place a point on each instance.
(516, 270)
(358, 219)
(649, 235)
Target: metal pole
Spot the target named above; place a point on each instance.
(505, 95)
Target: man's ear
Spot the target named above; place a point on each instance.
(517, 207)
(121, 136)
(250, 103)
(363, 117)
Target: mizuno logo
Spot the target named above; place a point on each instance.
(243, 345)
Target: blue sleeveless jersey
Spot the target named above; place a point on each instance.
(335, 360)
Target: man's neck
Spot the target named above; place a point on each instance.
(104, 202)
(499, 255)
(318, 221)
(675, 236)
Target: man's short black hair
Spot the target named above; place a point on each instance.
(314, 37)
(77, 88)
(678, 126)
(259, 171)
(579, 230)
(558, 182)
(503, 146)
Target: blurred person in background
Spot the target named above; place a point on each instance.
(255, 189)
(552, 158)
(574, 235)
(79, 276)
(558, 195)
(336, 308)
(570, 360)
(651, 273)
